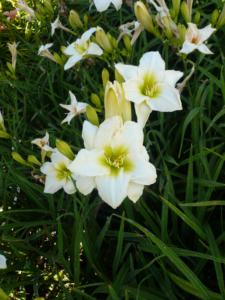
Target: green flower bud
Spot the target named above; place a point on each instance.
(92, 115)
(103, 40)
(96, 100)
(74, 20)
(105, 77)
(214, 17)
(33, 160)
(65, 149)
(143, 16)
(221, 20)
(197, 17)
(185, 12)
(176, 8)
(17, 157)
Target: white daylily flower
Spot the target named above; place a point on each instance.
(57, 24)
(13, 50)
(102, 5)
(75, 108)
(82, 48)
(3, 264)
(195, 38)
(43, 143)
(114, 161)
(58, 175)
(44, 51)
(150, 86)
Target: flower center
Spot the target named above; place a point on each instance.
(195, 39)
(116, 159)
(150, 87)
(62, 172)
(81, 48)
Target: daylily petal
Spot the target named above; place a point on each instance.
(58, 158)
(113, 189)
(117, 3)
(132, 91)
(47, 168)
(151, 62)
(3, 264)
(107, 131)
(87, 163)
(73, 99)
(85, 184)
(94, 49)
(206, 32)
(52, 184)
(88, 134)
(143, 111)
(188, 47)
(68, 118)
(81, 107)
(168, 100)
(70, 50)
(171, 77)
(101, 5)
(87, 34)
(69, 187)
(127, 71)
(144, 172)
(134, 191)
(72, 61)
(204, 49)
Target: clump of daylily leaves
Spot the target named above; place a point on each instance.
(114, 159)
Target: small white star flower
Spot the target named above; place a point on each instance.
(102, 5)
(195, 38)
(114, 161)
(3, 264)
(75, 108)
(150, 86)
(43, 143)
(44, 51)
(82, 48)
(58, 175)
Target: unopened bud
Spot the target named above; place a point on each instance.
(17, 157)
(65, 149)
(74, 20)
(105, 77)
(197, 17)
(143, 16)
(221, 20)
(92, 115)
(176, 7)
(103, 40)
(127, 42)
(167, 28)
(182, 32)
(96, 100)
(214, 17)
(33, 160)
(185, 12)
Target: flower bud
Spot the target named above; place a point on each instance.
(182, 32)
(65, 149)
(221, 20)
(74, 20)
(185, 12)
(214, 17)
(17, 157)
(143, 16)
(197, 17)
(103, 40)
(96, 100)
(115, 102)
(127, 42)
(176, 7)
(92, 115)
(33, 160)
(105, 77)
(3, 295)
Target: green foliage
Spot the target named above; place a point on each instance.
(170, 244)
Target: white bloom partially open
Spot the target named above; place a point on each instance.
(114, 161)
(150, 86)
(75, 108)
(58, 175)
(82, 48)
(43, 143)
(102, 5)
(13, 50)
(195, 38)
(3, 264)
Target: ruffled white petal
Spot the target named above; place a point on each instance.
(167, 101)
(47, 168)
(101, 5)
(69, 187)
(85, 185)
(88, 163)
(70, 50)
(88, 134)
(127, 71)
(143, 111)
(188, 47)
(3, 264)
(134, 191)
(72, 61)
(52, 184)
(107, 132)
(58, 158)
(144, 172)
(117, 3)
(113, 189)
(171, 77)
(151, 62)
(94, 49)
(206, 32)
(204, 49)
